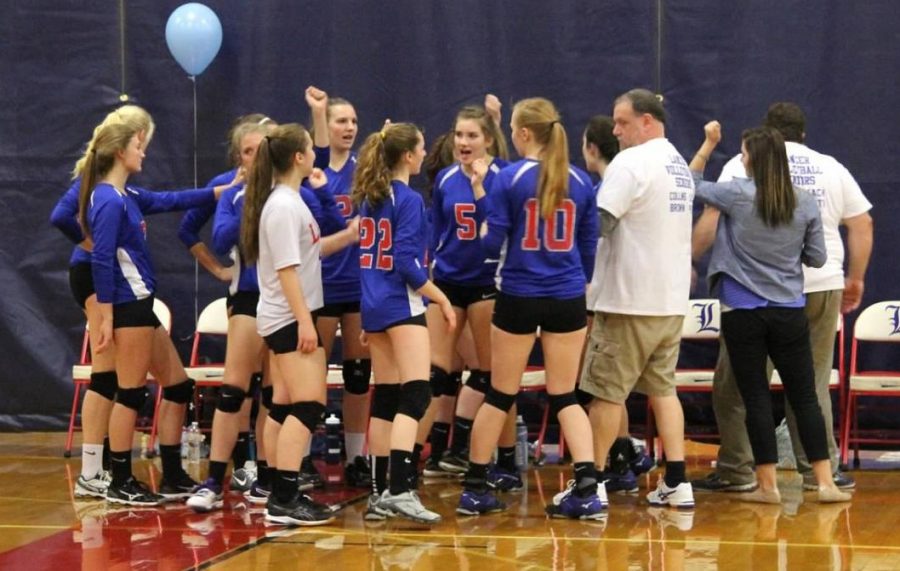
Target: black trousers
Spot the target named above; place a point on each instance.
(782, 334)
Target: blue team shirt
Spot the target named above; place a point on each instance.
(541, 259)
(196, 218)
(392, 243)
(457, 252)
(340, 271)
(65, 218)
(226, 236)
(121, 264)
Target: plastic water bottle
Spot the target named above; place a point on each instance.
(195, 439)
(332, 440)
(521, 443)
(185, 433)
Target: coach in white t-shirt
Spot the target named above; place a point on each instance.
(642, 280)
(828, 294)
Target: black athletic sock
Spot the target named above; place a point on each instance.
(121, 467)
(217, 471)
(506, 458)
(439, 438)
(476, 478)
(462, 429)
(674, 473)
(241, 452)
(170, 454)
(105, 453)
(585, 479)
(414, 469)
(401, 466)
(263, 474)
(284, 485)
(379, 473)
(620, 455)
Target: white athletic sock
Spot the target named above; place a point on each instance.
(354, 442)
(91, 460)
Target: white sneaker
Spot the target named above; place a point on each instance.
(206, 498)
(91, 487)
(570, 487)
(681, 496)
(407, 505)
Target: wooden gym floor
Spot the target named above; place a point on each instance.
(42, 527)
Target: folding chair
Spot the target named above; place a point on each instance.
(878, 323)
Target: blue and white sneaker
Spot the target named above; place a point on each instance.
(472, 503)
(681, 496)
(620, 483)
(257, 494)
(572, 507)
(570, 489)
(504, 480)
(207, 497)
(642, 462)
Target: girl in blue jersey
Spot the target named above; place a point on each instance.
(111, 215)
(463, 270)
(542, 209)
(340, 279)
(394, 280)
(281, 236)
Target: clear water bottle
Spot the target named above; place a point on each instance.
(185, 432)
(521, 443)
(332, 440)
(195, 440)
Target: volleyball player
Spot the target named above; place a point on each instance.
(541, 208)
(280, 235)
(394, 280)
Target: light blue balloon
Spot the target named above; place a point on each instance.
(194, 36)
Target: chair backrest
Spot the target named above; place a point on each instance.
(163, 314)
(214, 318)
(879, 322)
(702, 320)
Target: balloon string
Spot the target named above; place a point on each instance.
(122, 91)
(193, 79)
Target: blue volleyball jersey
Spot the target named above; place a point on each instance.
(392, 238)
(65, 218)
(340, 271)
(226, 236)
(121, 264)
(196, 218)
(456, 251)
(542, 258)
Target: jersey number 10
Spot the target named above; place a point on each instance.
(367, 239)
(559, 230)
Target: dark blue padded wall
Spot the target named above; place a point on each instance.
(63, 68)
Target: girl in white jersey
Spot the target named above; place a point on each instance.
(280, 235)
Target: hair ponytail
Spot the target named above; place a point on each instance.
(379, 155)
(273, 157)
(108, 141)
(539, 116)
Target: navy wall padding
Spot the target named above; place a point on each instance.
(62, 70)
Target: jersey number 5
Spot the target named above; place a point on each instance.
(367, 238)
(465, 220)
(559, 230)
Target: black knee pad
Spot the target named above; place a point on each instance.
(385, 400)
(310, 413)
(439, 379)
(182, 393)
(451, 389)
(498, 400)
(356, 374)
(415, 396)
(104, 384)
(479, 381)
(231, 399)
(563, 401)
(132, 398)
(266, 394)
(279, 412)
